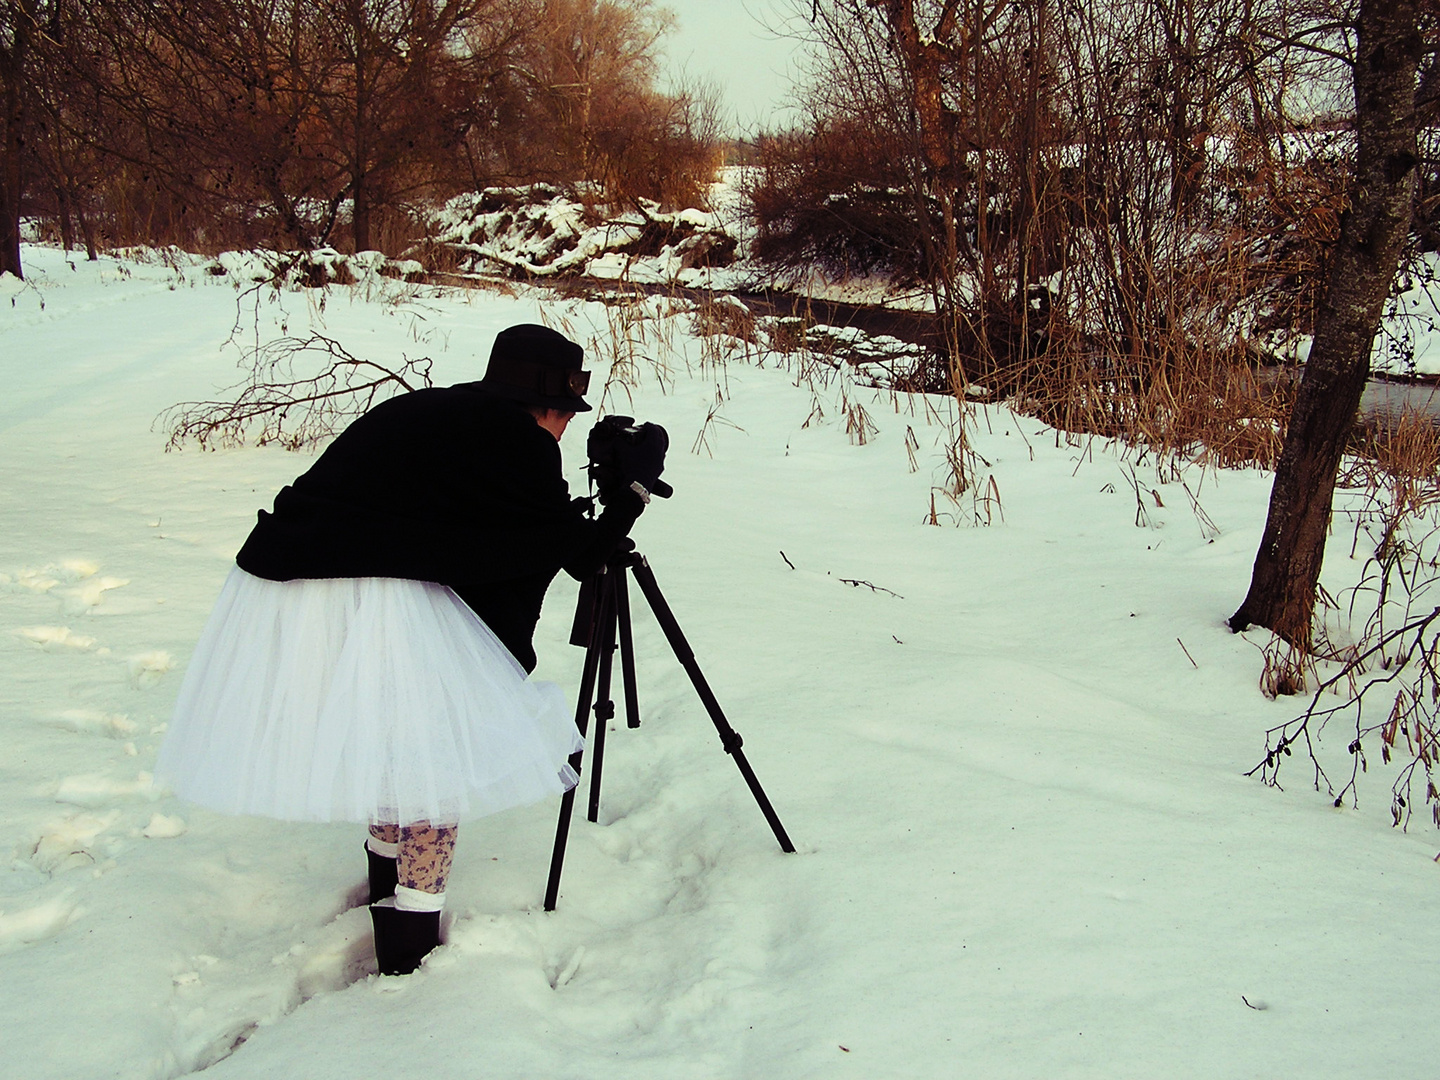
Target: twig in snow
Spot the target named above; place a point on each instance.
(873, 588)
(1208, 529)
(1142, 515)
(1187, 655)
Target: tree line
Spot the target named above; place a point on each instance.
(300, 123)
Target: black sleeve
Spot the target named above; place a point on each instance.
(529, 525)
(614, 522)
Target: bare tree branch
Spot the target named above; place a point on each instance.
(279, 404)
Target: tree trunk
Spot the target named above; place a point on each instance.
(67, 225)
(12, 140)
(1362, 268)
(360, 132)
(925, 56)
(9, 223)
(360, 215)
(92, 253)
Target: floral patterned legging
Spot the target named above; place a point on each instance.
(426, 852)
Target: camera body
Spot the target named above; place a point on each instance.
(623, 452)
(606, 438)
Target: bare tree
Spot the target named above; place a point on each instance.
(21, 23)
(205, 104)
(1381, 196)
(297, 123)
(583, 105)
(592, 59)
(398, 90)
(1114, 205)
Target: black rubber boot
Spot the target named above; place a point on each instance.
(384, 875)
(403, 938)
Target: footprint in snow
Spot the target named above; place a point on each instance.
(94, 790)
(341, 953)
(56, 638)
(216, 1015)
(164, 827)
(84, 597)
(95, 722)
(42, 580)
(77, 583)
(69, 844)
(148, 668)
(26, 926)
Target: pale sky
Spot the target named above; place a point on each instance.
(724, 41)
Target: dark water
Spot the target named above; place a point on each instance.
(1389, 399)
(916, 327)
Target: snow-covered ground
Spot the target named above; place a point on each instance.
(1026, 844)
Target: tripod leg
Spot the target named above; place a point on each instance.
(729, 737)
(627, 650)
(604, 706)
(602, 605)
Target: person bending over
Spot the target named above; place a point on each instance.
(367, 659)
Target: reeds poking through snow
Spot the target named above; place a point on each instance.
(847, 374)
(704, 438)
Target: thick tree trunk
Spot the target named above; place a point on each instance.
(1287, 566)
(12, 141)
(925, 56)
(360, 133)
(9, 226)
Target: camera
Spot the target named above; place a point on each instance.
(623, 453)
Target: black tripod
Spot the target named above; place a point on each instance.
(601, 616)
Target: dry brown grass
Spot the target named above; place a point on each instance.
(1398, 457)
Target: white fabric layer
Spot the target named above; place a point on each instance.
(383, 848)
(360, 699)
(408, 899)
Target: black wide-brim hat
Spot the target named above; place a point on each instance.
(535, 365)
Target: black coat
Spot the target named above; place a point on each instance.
(449, 485)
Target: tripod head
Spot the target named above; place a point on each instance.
(587, 607)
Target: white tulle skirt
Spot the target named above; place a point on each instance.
(360, 699)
